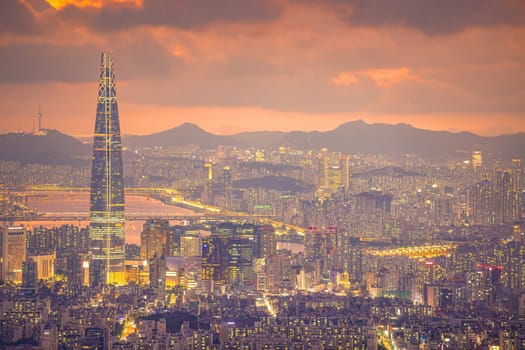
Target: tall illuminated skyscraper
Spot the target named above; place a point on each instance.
(106, 228)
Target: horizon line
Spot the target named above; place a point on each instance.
(451, 131)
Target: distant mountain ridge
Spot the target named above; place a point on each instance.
(351, 138)
(400, 139)
(185, 134)
(189, 133)
(53, 148)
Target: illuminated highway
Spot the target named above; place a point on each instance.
(416, 252)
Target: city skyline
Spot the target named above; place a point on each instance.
(376, 230)
(267, 65)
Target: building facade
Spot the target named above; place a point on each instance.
(13, 254)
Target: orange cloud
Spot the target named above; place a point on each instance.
(178, 51)
(58, 4)
(382, 77)
(387, 77)
(345, 78)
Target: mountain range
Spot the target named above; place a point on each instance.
(351, 138)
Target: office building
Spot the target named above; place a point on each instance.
(14, 252)
(29, 275)
(153, 239)
(45, 266)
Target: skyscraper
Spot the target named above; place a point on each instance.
(227, 181)
(13, 254)
(106, 228)
(153, 239)
(29, 276)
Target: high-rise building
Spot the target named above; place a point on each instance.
(190, 244)
(207, 194)
(227, 255)
(14, 253)
(245, 234)
(45, 266)
(481, 203)
(344, 164)
(157, 272)
(29, 274)
(107, 190)
(335, 178)
(320, 248)
(265, 241)
(477, 159)
(324, 167)
(212, 267)
(278, 269)
(153, 239)
(227, 182)
(504, 197)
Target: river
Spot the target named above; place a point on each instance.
(56, 203)
(74, 202)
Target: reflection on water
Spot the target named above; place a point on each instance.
(56, 203)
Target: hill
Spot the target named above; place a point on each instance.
(279, 183)
(185, 134)
(52, 148)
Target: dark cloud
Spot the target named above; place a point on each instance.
(246, 67)
(43, 62)
(146, 59)
(21, 63)
(181, 13)
(16, 17)
(435, 17)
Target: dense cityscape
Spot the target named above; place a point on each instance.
(285, 249)
(262, 175)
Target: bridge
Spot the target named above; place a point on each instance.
(84, 216)
(416, 252)
(57, 188)
(169, 196)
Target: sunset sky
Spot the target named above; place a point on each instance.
(237, 65)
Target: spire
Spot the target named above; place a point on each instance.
(39, 115)
(37, 130)
(107, 92)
